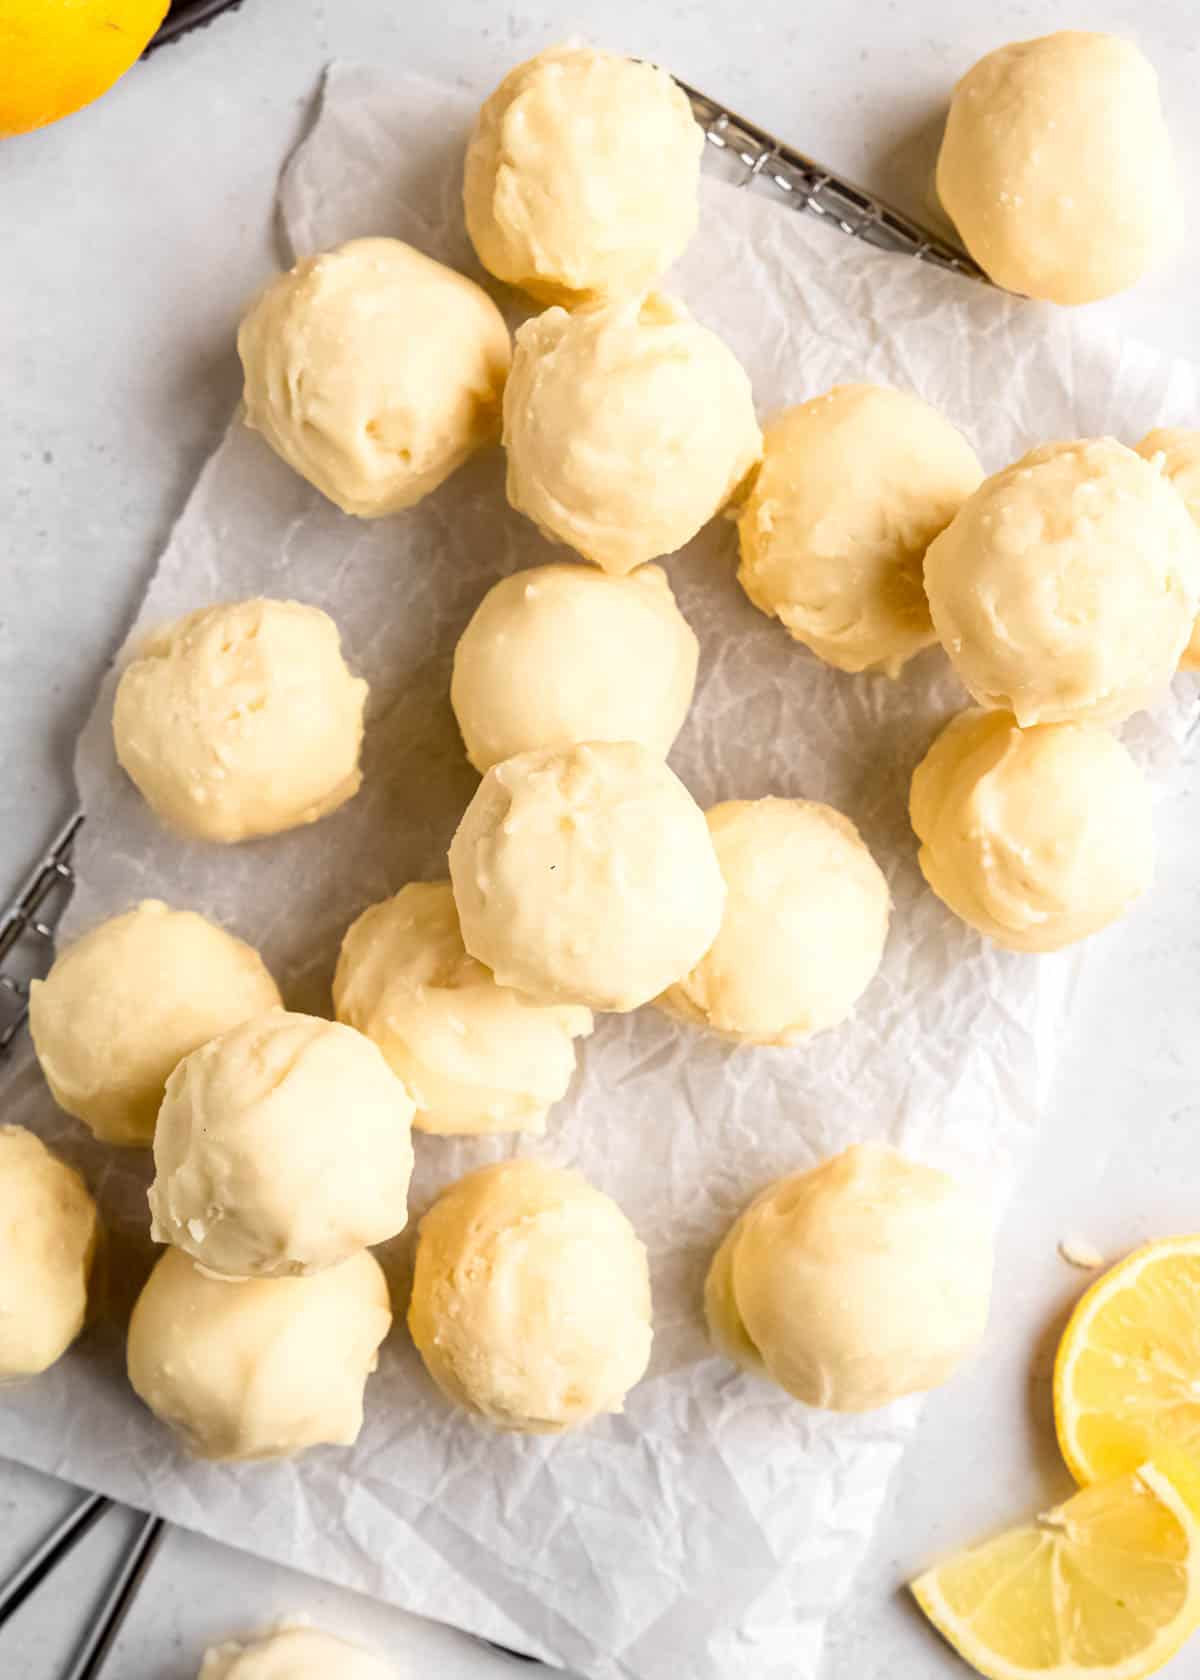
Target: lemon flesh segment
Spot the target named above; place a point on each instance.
(1104, 1587)
(1127, 1376)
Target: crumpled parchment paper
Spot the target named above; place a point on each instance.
(710, 1530)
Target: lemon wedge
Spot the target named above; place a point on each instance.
(1127, 1376)
(1103, 1587)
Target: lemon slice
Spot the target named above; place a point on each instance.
(1105, 1587)
(1127, 1376)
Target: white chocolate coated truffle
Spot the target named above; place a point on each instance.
(294, 1653)
(1066, 587)
(531, 1298)
(241, 720)
(582, 175)
(474, 1056)
(128, 1001)
(1177, 449)
(562, 654)
(586, 876)
(865, 1279)
(261, 1369)
(281, 1148)
(806, 919)
(1056, 167)
(374, 372)
(1036, 837)
(48, 1232)
(627, 428)
(853, 488)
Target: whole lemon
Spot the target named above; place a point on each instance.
(56, 55)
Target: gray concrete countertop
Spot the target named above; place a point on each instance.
(133, 235)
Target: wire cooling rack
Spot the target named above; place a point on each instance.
(27, 929)
(741, 152)
(188, 14)
(751, 157)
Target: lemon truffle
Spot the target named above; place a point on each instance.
(582, 175)
(805, 922)
(258, 1369)
(531, 1298)
(853, 488)
(374, 372)
(1037, 837)
(48, 1234)
(1065, 589)
(474, 1055)
(282, 1147)
(566, 653)
(1177, 449)
(627, 428)
(1056, 167)
(241, 720)
(128, 1001)
(853, 1284)
(586, 876)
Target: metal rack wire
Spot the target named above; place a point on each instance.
(759, 160)
(27, 925)
(27, 929)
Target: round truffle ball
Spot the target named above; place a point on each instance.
(806, 918)
(241, 720)
(294, 1653)
(1066, 587)
(374, 372)
(586, 876)
(1177, 451)
(582, 175)
(1036, 837)
(1056, 167)
(48, 1232)
(853, 488)
(282, 1147)
(562, 654)
(531, 1298)
(261, 1369)
(627, 428)
(474, 1056)
(863, 1280)
(129, 1000)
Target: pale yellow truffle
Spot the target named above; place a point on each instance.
(259, 1369)
(474, 1056)
(1066, 587)
(582, 175)
(531, 1298)
(627, 428)
(802, 936)
(865, 1279)
(1179, 452)
(282, 1147)
(126, 1002)
(586, 876)
(562, 654)
(1056, 167)
(1036, 837)
(374, 372)
(48, 1232)
(853, 488)
(294, 1653)
(241, 720)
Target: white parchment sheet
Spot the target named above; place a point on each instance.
(710, 1530)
